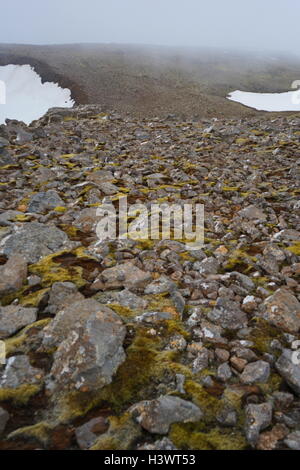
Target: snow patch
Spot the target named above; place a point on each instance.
(27, 98)
(288, 101)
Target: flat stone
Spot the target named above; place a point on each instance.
(156, 416)
(12, 274)
(45, 201)
(124, 275)
(289, 369)
(15, 317)
(228, 314)
(258, 371)
(258, 418)
(34, 240)
(18, 371)
(282, 309)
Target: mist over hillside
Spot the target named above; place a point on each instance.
(157, 80)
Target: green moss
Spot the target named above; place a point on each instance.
(39, 432)
(295, 248)
(209, 404)
(191, 437)
(34, 299)
(262, 334)
(20, 395)
(18, 343)
(124, 312)
(121, 435)
(239, 258)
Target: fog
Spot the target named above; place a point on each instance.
(268, 25)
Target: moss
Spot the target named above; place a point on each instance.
(239, 258)
(230, 188)
(124, 312)
(60, 209)
(295, 248)
(191, 437)
(51, 272)
(39, 432)
(15, 344)
(20, 395)
(121, 435)
(209, 404)
(34, 299)
(262, 334)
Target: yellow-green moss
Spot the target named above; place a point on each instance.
(121, 435)
(20, 395)
(191, 437)
(39, 432)
(295, 248)
(209, 404)
(34, 299)
(262, 334)
(14, 344)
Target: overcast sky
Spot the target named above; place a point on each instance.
(251, 24)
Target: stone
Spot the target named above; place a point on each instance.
(269, 440)
(249, 304)
(4, 417)
(258, 371)
(18, 371)
(224, 372)
(125, 298)
(90, 354)
(160, 286)
(258, 418)
(228, 314)
(86, 435)
(154, 317)
(15, 317)
(253, 213)
(162, 444)
(62, 294)
(124, 275)
(227, 417)
(207, 266)
(293, 440)
(156, 416)
(282, 309)
(43, 202)
(12, 274)
(289, 369)
(34, 241)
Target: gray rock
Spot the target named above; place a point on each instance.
(224, 372)
(178, 301)
(34, 240)
(62, 294)
(124, 275)
(91, 353)
(258, 418)
(12, 274)
(162, 444)
(86, 435)
(4, 417)
(207, 266)
(156, 416)
(293, 440)
(160, 285)
(258, 371)
(15, 317)
(252, 213)
(154, 317)
(228, 314)
(7, 218)
(18, 371)
(289, 369)
(282, 309)
(45, 201)
(227, 417)
(126, 298)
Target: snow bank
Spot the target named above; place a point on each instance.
(27, 98)
(289, 101)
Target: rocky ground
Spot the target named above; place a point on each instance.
(143, 344)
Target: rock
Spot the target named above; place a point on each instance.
(238, 363)
(258, 418)
(12, 274)
(258, 371)
(124, 275)
(249, 304)
(227, 417)
(160, 285)
(87, 220)
(282, 309)
(91, 353)
(156, 416)
(35, 240)
(201, 361)
(5, 158)
(253, 213)
(154, 317)
(289, 369)
(18, 371)
(293, 440)
(108, 188)
(45, 201)
(4, 417)
(8, 218)
(178, 301)
(163, 444)
(62, 294)
(15, 317)
(125, 298)
(228, 314)
(207, 266)
(224, 372)
(269, 440)
(86, 435)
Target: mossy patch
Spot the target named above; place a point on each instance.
(191, 437)
(39, 432)
(122, 434)
(20, 395)
(295, 248)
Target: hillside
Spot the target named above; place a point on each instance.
(156, 81)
